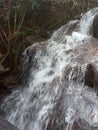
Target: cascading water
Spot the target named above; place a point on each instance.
(54, 95)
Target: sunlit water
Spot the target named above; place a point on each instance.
(55, 80)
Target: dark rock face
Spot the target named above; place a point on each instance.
(95, 26)
(5, 125)
(91, 76)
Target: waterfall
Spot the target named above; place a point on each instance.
(53, 95)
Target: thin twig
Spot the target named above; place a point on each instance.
(4, 34)
(4, 57)
(22, 19)
(3, 41)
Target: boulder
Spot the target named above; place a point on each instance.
(5, 125)
(95, 26)
(91, 76)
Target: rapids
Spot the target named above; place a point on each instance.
(53, 94)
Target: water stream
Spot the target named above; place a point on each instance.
(54, 95)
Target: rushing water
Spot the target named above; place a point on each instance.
(54, 95)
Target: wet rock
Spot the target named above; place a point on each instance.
(84, 125)
(29, 61)
(91, 76)
(95, 84)
(70, 30)
(76, 127)
(53, 126)
(5, 125)
(3, 90)
(7, 80)
(95, 26)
